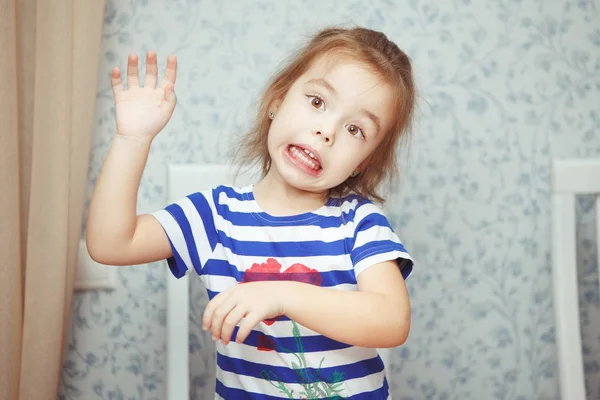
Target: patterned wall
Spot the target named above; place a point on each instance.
(505, 86)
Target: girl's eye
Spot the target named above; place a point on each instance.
(355, 130)
(317, 102)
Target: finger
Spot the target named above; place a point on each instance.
(151, 70)
(249, 322)
(133, 79)
(230, 322)
(218, 318)
(170, 99)
(115, 81)
(170, 72)
(210, 309)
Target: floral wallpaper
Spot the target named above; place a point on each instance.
(504, 87)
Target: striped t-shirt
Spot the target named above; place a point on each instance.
(227, 239)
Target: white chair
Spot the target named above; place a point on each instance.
(569, 179)
(181, 181)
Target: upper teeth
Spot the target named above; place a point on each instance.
(310, 154)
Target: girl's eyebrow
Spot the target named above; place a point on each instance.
(372, 117)
(324, 83)
(330, 88)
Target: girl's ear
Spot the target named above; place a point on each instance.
(274, 106)
(363, 164)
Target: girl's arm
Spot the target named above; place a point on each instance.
(115, 234)
(377, 315)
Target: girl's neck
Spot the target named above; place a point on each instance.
(278, 198)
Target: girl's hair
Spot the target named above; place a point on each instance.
(384, 58)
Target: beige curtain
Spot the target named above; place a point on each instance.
(49, 56)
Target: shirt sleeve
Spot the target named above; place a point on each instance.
(375, 242)
(190, 226)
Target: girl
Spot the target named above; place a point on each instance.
(304, 273)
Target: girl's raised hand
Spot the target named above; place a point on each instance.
(143, 111)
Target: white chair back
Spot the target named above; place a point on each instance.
(569, 179)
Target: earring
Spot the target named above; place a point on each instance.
(353, 174)
(272, 114)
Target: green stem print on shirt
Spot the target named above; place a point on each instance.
(313, 386)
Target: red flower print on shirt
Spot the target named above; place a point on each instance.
(271, 271)
(265, 343)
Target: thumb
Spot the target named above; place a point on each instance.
(170, 97)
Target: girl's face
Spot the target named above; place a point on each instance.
(330, 121)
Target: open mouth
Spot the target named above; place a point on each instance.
(305, 158)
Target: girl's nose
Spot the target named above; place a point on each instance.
(327, 137)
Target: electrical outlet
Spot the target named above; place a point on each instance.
(91, 275)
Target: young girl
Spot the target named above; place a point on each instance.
(304, 273)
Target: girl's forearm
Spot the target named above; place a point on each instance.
(358, 318)
(112, 216)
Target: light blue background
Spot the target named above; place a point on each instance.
(505, 86)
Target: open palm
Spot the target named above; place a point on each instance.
(143, 111)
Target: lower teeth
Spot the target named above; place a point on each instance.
(304, 158)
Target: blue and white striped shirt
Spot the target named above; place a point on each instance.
(227, 238)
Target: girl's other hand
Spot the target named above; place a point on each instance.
(245, 304)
